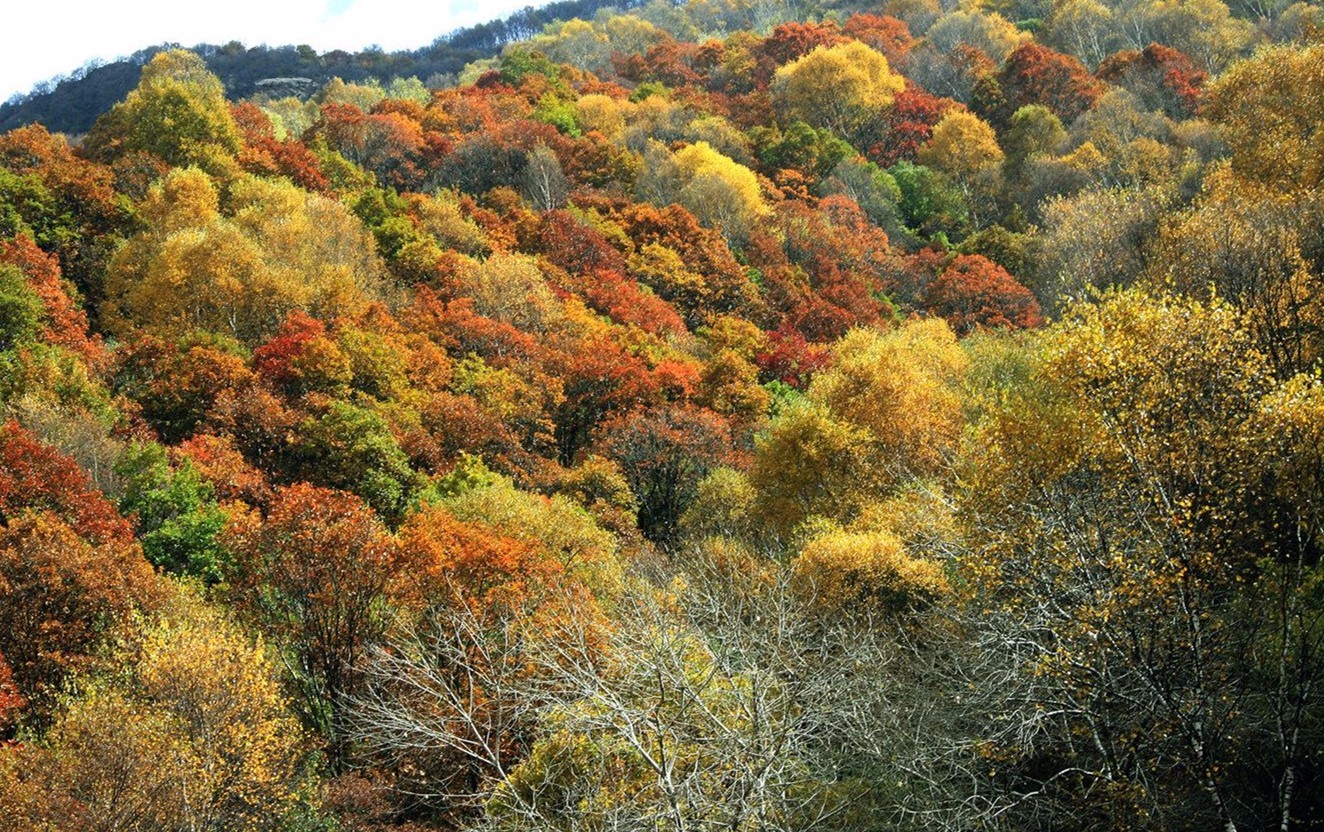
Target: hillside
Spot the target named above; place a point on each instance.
(723, 415)
(70, 104)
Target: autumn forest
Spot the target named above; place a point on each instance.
(734, 415)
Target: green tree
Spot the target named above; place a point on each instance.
(175, 512)
(352, 448)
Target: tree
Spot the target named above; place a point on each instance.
(1097, 239)
(863, 574)
(44, 301)
(989, 33)
(178, 113)
(808, 464)
(790, 41)
(350, 447)
(36, 477)
(575, 42)
(544, 181)
(722, 193)
(282, 249)
(973, 293)
(175, 512)
(1169, 622)
(179, 387)
(21, 310)
(965, 148)
(62, 598)
(963, 145)
(1084, 28)
(558, 529)
(196, 737)
(1033, 130)
(1203, 29)
(664, 453)
(1034, 74)
(898, 386)
(318, 573)
(65, 203)
(836, 87)
(885, 33)
(263, 154)
(885, 414)
(389, 144)
(1249, 245)
(1268, 110)
(1163, 78)
(301, 358)
(701, 708)
(444, 701)
(11, 701)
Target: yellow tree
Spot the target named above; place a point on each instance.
(837, 87)
(1084, 28)
(721, 192)
(178, 113)
(900, 386)
(1249, 244)
(989, 32)
(864, 573)
(194, 735)
(283, 249)
(1270, 111)
(1145, 600)
(964, 147)
(886, 412)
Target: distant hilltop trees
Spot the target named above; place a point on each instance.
(72, 103)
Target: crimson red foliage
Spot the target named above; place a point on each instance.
(266, 155)
(790, 41)
(1163, 78)
(65, 324)
(885, 33)
(275, 359)
(790, 357)
(35, 476)
(1035, 74)
(908, 124)
(975, 293)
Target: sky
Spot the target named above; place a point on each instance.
(39, 40)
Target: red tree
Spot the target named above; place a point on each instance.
(61, 596)
(65, 323)
(885, 33)
(790, 358)
(177, 387)
(908, 125)
(11, 701)
(319, 573)
(974, 293)
(790, 41)
(1035, 74)
(35, 476)
(664, 453)
(1162, 77)
(266, 155)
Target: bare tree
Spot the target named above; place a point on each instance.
(544, 181)
(711, 703)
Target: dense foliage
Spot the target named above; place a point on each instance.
(727, 415)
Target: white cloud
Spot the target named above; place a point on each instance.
(39, 41)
